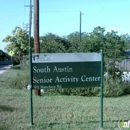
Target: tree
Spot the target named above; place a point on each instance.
(75, 43)
(51, 43)
(4, 56)
(18, 42)
(113, 45)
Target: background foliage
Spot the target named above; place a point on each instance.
(114, 47)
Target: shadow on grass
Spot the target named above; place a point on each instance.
(79, 123)
(3, 127)
(105, 126)
(17, 67)
(103, 121)
(5, 108)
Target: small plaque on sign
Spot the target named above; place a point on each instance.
(41, 58)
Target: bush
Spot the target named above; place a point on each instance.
(112, 88)
(115, 87)
(15, 61)
(93, 91)
(24, 63)
(89, 91)
(20, 80)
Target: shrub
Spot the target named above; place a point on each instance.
(20, 80)
(88, 91)
(112, 87)
(24, 63)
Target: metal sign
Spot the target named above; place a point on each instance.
(11, 53)
(66, 70)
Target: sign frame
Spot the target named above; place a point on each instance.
(31, 86)
(54, 70)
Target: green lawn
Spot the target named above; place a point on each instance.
(57, 112)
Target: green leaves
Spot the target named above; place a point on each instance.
(112, 44)
(18, 42)
(4, 56)
(51, 43)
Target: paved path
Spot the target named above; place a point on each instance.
(3, 68)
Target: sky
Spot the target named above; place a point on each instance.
(61, 17)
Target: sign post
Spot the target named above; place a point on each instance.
(30, 86)
(101, 92)
(11, 53)
(66, 70)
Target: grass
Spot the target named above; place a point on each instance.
(57, 112)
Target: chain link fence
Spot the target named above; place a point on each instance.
(122, 64)
(24, 63)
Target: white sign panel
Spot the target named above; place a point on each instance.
(65, 57)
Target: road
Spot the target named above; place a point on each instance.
(4, 68)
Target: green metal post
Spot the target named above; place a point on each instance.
(30, 81)
(101, 92)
